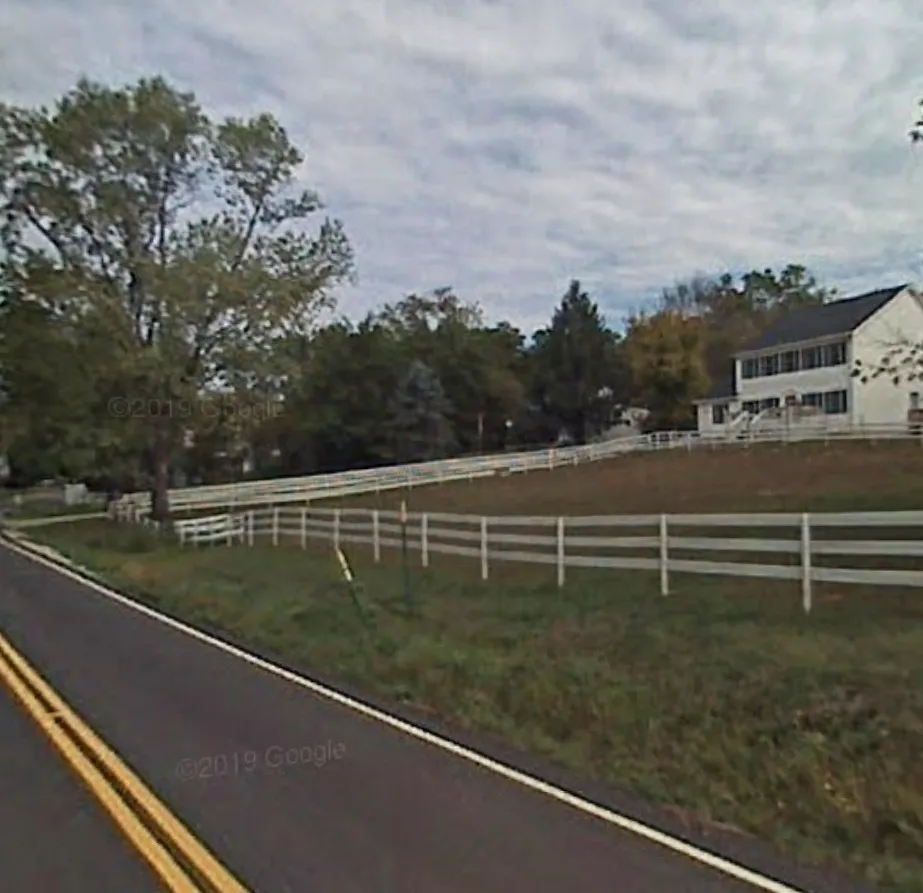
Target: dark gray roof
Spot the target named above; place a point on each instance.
(722, 389)
(835, 318)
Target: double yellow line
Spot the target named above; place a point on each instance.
(178, 858)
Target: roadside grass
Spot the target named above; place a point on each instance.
(39, 511)
(722, 700)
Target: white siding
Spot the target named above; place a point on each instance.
(704, 421)
(880, 401)
(831, 378)
(703, 417)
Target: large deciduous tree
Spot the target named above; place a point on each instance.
(180, 242)
(50, 420)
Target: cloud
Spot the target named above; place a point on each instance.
(504, 146)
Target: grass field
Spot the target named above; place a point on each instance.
(844, 476)
(722, 700)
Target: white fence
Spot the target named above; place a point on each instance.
(591, 541)
(367, 480)
(312, 487)
(214, 529)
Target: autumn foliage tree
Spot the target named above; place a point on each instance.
(667, 363)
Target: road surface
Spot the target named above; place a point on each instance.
(291, 791)
(54, 837)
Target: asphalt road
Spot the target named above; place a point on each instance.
(54, 837)
(293, 792)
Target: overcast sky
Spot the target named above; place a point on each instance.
(504, 147)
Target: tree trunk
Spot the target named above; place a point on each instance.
(160, 484)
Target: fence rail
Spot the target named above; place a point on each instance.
(367, 480)
(590, 541)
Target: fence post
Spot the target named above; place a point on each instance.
(664, 557)
(230, 534)
(181, 533)
(304, 528)
(336, 528)
(424, 540)
(484, 565)
(376, 541)
(560, 552)
(806, 562)
(250, 526)
(405, 563)
(275, 525)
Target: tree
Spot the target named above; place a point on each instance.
(178, 241)
(575, 365)
(420, 428)
(499, 368)
(902, 359)
(477, 366)
(338, 406)
(49, 423)
(336, 412)
(667, 363)
(734, 314)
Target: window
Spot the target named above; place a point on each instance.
(835, 402)
(769, 365)
(769, 403)
(791, 361)
(815, 399)
(834, 354)
(915, 401)
(719, 413)
(749, 368)
(810, 358)
(751, 406)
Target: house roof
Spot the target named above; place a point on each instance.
(722, 389)
(835, 318)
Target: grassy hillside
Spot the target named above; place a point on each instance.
(844, 476)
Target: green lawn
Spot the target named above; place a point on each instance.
(722, 699)
(35, 511)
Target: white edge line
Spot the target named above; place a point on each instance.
(633, 826)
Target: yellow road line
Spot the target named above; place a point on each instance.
(66, 729)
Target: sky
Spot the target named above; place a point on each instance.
(505, 147)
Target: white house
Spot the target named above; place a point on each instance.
(800, 372)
